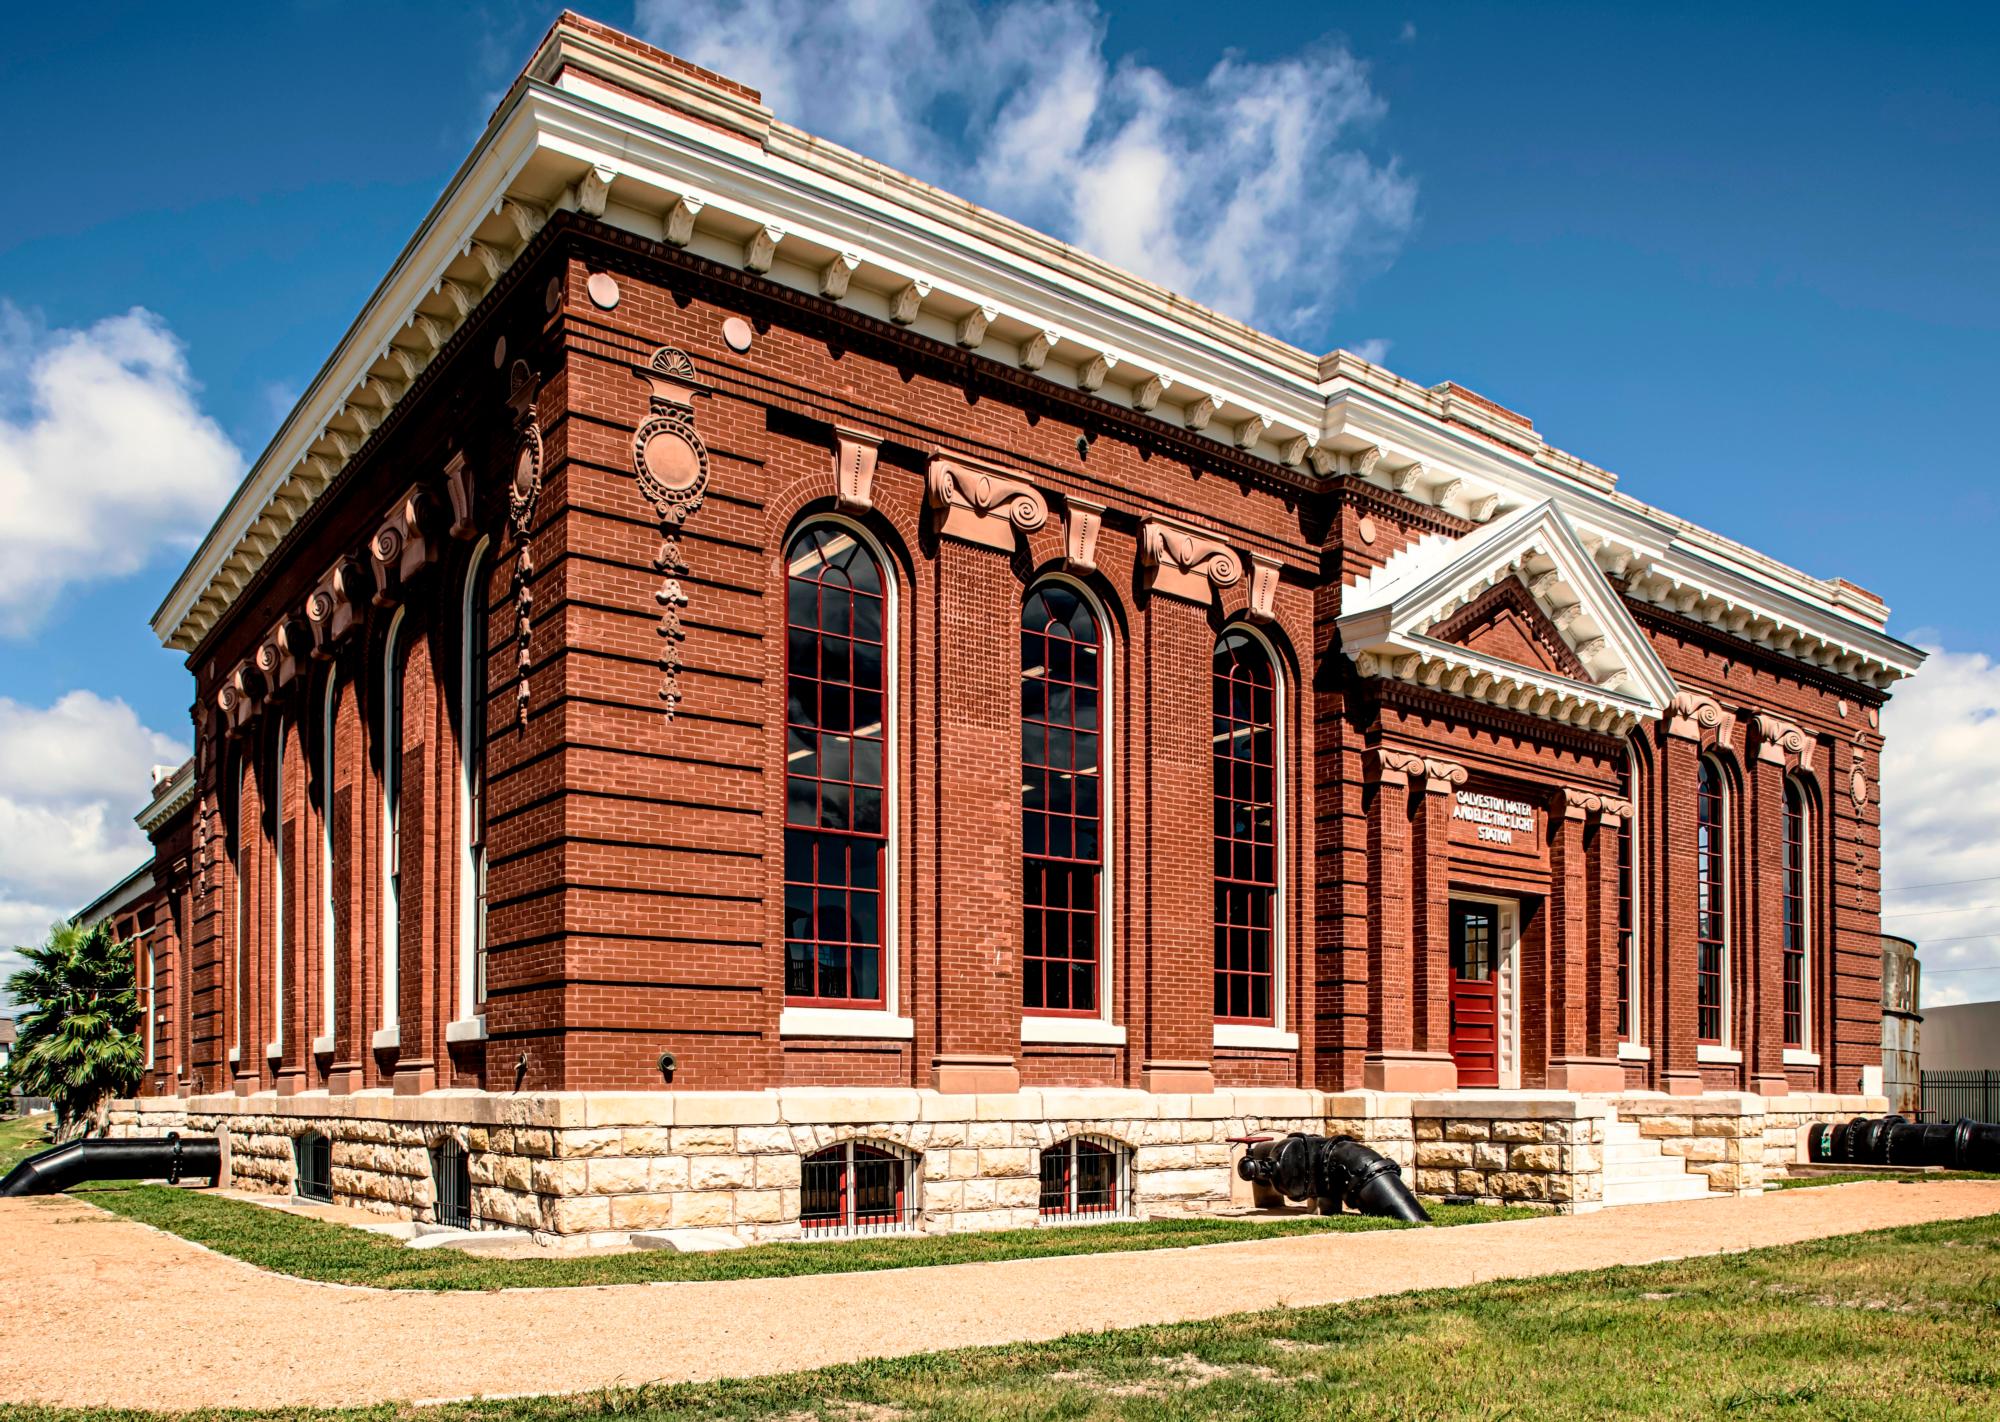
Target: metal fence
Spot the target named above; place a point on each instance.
(1949, 1095)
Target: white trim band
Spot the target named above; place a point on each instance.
(1709, 1055)
(1073, 1031)
(387, 1038)
(844, 1022)
(466, 1029)
(1233, 1034)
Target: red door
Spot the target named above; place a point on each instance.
(1475, 1005)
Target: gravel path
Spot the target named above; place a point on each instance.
(101, 1311)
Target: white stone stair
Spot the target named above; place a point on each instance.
(1638, 1172)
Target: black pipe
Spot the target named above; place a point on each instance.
(1890, 1140)
(172, 1158)
(1334, 1172)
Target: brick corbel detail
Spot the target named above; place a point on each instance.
(1184, 563)
(1694, 714)
(981, 505)
(241, 696)
(459, 487)
(404, 545)
(1263, 587)
(1778, 741)
(854, 457)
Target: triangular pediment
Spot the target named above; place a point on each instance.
(1516, 613)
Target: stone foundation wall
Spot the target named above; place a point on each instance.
(599, 1165)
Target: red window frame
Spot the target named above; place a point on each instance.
(837, 751)
(1711, 869)
(1796, 917)
(1062, 785)
(1245, 694)
(854, 1188)
(1625, 1032)
(1083, 1179)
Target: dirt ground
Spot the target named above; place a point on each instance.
(102, 1311)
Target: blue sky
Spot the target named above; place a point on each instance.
(1743, 257)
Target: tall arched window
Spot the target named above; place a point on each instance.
(236, 935)
(1711, 874)
(472, 790)
(392, 842)
(276, 811)
(1629, 898)
(1062, 802)
(1798, 915)
(838, 757)
(1247, 933)
(329, 713)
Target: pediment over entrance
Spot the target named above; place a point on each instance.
(1516, 614)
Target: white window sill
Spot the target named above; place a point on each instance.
(1795, 1057)
(274, 1050)
(844, 1022)
(1634, 1052)
(1086, 1031)
(235, 1054)
(466, 1029)
(387, 1038)
(1718, 1056)
(1229, 1034)
(323, 1046)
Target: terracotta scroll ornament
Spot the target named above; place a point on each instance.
(671, 465)
(524, 491)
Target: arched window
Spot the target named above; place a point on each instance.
(1062, 800)
(392, 842)
(236, 934)
(1247, 934)
(329, 714)
(1628, 899)
(472, 791)
(852, 1188)
(276, 811)
(838, 757)
(312, 1167)
(1084, 1179)
(1798, 915)
(1711, 874)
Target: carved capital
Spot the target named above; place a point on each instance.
(279, 654)
(1776, 739)
(1091, 376)
(1613, 812)
(678, 225)
(1184, 563)
(1580, 804)
(854, 468)
(1148, 395)
(1441, 777)
(1693, 712)
(1263, 586)
(835, 275)
(404, 545)
(971, 330)
(1081, 521)
(1035, 353)
(333, 608)
(908, 301)
(1393, 767)
(980, 504)
(241, 696)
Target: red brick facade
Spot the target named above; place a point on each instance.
(634, 840)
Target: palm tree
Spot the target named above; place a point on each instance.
(78, 1013)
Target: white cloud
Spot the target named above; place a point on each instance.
(1941, 823)
(1375, 350)
(71, 777)
(104, 456)
(1244, 189)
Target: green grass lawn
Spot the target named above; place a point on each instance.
(1899, 1324)
(21, 1138)
(316, 1249)
(1849, 1177)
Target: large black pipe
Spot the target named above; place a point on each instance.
(1335, 1172)
(1891, 1140)
(172, 1158)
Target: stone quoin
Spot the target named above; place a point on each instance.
(753, 694)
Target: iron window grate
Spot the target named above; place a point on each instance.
(850, 1189)
(451, 1177)
(1085, 1181)
(312, 1161)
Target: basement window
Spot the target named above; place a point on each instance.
(451, 1180)
(312, 1163)
(1084, 1180)
(853, 1189)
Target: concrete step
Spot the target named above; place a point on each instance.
(1622, 1131)
(1657, 1191)
(1653, 1167)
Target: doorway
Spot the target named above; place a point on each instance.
(1483, 939)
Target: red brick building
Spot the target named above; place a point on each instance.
(736, 640)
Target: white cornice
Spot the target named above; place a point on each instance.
(169, 799)
(621, 135)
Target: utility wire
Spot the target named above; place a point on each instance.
(1933, 913)
(1940, 884)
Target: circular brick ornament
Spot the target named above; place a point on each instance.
(552, 295)
(736, 332)
(1366, 529)
(499, 352)
(603, 289)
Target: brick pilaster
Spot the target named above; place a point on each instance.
(1409, 969)
(1764, 1017)
(1581, 1030)
(1678, 955)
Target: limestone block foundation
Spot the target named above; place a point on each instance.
(598, 1165)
